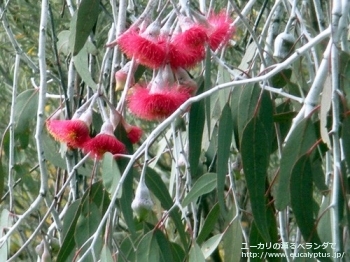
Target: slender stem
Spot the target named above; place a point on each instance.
(336, 187)
(11, 180)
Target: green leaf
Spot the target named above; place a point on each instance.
(209, 224)
(67, 250)
(110, 174)
(232, 240)
(81, 64)
(164, 246)
(106, 254)
(158, 188)
(255, 152)
(87, 224)
(148, 248)
(63, 42)
(224, 144)
(177, 252)
(127, 197)
(50, 154)
(196, 254)
(301, 195)
(299, 142)
(247, 105)
(82, 23)
(195, 127)
(25, 108)
(205, 184)
(2, 180)
(282, 78)
(211, 244)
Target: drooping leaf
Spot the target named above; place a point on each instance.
(195, 134)
(110, 173)
(299, 142)
(224, 144)
(177, 252)
(63, 42)
(67, 250)
(209, 224)
(2, 179)
(232, 240)
(282, 78)
(25, 108)
(164, 246)
(148, 248)
(127, 197)
(159, 189)
(106, 254)
(255, 151)
(205, 184)
(344, 73)
(301, 195)
(81, 64)
(196, 254)
(82, 23)
(247, 106)
(211, 244)
(86, 226)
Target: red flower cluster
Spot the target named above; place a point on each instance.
(170, 54)
(153, 49)
(75, 133)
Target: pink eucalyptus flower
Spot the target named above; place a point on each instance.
(134, 133)
(157, 105)
(193, 35)
(185, 56)
(104, 142)
(148, 48)
(75, 133)
(220, 31)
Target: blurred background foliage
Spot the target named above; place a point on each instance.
(223, 129)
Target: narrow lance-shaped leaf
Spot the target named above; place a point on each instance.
(299, 142)
(205, 184)
(209, 224)
(148, 248)
(255, 151)
(224, 144)
(159, 189)
(110, 173)
(25, 108)
(301, 194)
(82, 23)
(195, 134)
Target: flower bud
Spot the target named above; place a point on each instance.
(142, 202)
(284, 44)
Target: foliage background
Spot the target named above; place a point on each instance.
(262, 156)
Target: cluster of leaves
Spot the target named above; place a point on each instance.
(235, 171)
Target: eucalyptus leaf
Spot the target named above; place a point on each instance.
(211, 244)
(224, 145)
(196, 254)
(299, 142)
(255, 164)
(25, 108)
(82, 23)
(205, 184)
(110, 174)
